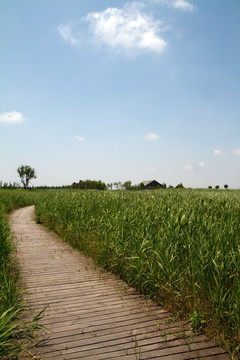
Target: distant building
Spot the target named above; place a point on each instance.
(151, 184)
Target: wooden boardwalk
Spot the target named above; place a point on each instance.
(93, 315)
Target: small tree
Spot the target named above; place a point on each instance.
(226, 186)
(118, 185)
(127, 185)
(26, 173)
(180, 186)
(217, 187)
(110, 186)
(210, 187)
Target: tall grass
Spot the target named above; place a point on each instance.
(14, 333)
(179, 247)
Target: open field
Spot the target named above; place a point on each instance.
(179, 247)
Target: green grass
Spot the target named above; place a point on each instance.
(180, 247)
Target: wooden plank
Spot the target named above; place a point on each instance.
(141, 338)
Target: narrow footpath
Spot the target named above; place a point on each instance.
(91, 314)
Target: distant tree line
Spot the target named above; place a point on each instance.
(27, 173)
(10, 185)
(89, 184)
(96, 185)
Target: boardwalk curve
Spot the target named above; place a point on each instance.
(92, 315)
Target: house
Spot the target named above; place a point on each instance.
(151, 184)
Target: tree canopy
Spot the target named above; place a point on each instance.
(26, 173)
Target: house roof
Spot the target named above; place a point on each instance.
(145, 183)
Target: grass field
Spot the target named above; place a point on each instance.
(180, 247)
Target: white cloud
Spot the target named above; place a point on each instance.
(217, 152)
(199, 165)
(12, 117)
(187, 167)
(236, 152)
(183, 5)
(152, 169)
(151, 136)
(66, 32)
(193, 167)
(79, 138)
(127, 29)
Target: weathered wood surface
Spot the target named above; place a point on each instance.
(93, 315)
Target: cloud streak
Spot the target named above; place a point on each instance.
(182, 5)
(79, 138)
(151, 137)
(236, 152)
(194, 167)
(153, 169)
(217, 152)
(66, 33)
(12, 117)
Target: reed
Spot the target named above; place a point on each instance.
(181, 248)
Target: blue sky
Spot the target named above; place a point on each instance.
(121, 90)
